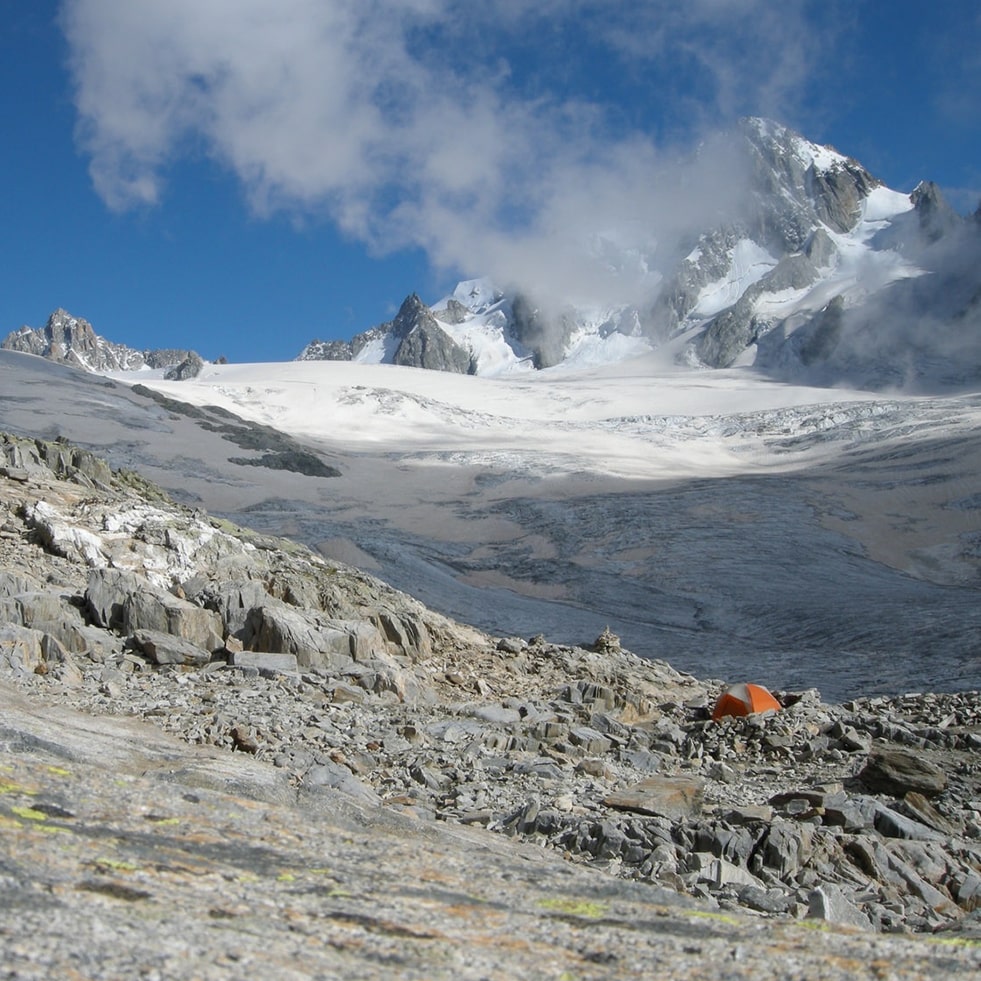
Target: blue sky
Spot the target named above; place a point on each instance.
(242, 176)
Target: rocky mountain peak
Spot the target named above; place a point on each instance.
(61, 336)
(936, 216)
(413, 313)
(422, 343)
(797, 182)
(72, 340)
(804, 223)
(67, 333)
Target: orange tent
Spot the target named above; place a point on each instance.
(744, 700)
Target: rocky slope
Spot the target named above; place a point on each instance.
(336, 688)
(71, 340)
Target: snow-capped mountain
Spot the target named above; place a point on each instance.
(819, 273)
(796, 279)
(72, 340)
(480, 329)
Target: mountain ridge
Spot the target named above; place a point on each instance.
(820, 273)
(71, 340)
(815, 225)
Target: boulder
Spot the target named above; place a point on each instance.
(969, 892)
(317, 642)
(785, 847)
(54, 613)
(126, 603)
(675, 798)
(896, 771)
(329, 775)
(24, 651)
(164, 648)
(58, 662)
(720, 873)
(892, 824)
(406, 631)
(916, 884)
(828, 903)
(589, 741)
(917, 807)
(265, 663)
(20, 650)
(46, 605)
(233, 601)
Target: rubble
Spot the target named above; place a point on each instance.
(866, 814)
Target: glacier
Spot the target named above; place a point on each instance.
(738, 526)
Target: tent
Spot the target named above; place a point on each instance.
(744, 699)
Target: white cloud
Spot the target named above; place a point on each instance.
(404, 122)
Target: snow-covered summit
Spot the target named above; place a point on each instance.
(479, 296)
(813, 231)
(809, 154)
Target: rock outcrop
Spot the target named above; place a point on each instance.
(189, 367)
(413, 339)
(422, 343)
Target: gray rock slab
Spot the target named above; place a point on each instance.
(129, 748)
(917, 807)
(828, 903)
(675, 798)
(20, 649)
(336, 776)
(208, 880)
(722, 873)
(126, 603)
(893, 770)
(266, 663)
(163, 648)
(316, 642)
(892, 824)
(493, 714)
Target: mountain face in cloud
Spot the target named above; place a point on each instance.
(820, 272)
(917, 333)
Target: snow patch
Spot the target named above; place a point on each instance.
(883, 204)
(748, 264)
(589, 350)
(477, 295)
(375, 351)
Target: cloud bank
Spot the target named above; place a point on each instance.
(471, 131)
